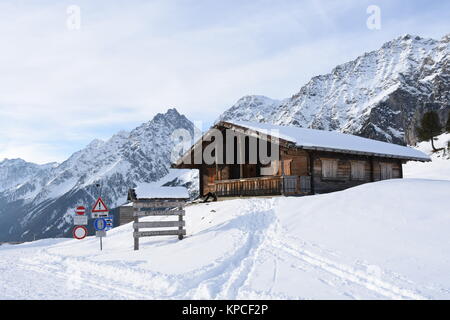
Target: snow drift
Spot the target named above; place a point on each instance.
(384, 240)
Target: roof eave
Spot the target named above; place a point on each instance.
(373, 154)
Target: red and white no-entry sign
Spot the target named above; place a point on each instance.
(79, 232)
(80, 210)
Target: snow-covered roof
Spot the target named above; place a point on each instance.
(148, 190)
(334, 141)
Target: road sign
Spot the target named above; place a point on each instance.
(100, 233)
(80, 210)
(79, 232)
(80, 220)
(100, 206)
(109, 222)
(100, 224)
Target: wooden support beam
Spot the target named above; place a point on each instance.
(147, 213)
(372, 175)
(201, 172)
(140, 234)
(400, 163)
(158, 204)
(311, 170)
(181, 232)
(158, 224)
(135, 229)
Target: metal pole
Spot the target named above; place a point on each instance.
(101, 248)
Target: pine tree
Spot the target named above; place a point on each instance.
(430, 127)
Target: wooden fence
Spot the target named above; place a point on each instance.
(270, 185)
(249, 186)
(158, 207)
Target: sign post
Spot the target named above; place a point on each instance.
(100, 209)
(100, 212)
(80, 220)
(79, 232)
(100, 226)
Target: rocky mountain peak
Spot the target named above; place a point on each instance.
(380, 95)
(43, 200)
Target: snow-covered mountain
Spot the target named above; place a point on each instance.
(381, 94)
(39, 200)
(14, 172)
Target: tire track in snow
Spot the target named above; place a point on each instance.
(111, 291)
(242, 274)
(275, 237)
(106, 276)
(226, 279)
(367, 280)
(233, 279)
(230, 276)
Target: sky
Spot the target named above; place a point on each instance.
(73, 71)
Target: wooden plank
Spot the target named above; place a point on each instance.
(136, 239)
(158, 204)
(159, 213)
(159, 224)
(159, 233)
(160, 199)
(180, 228)
(159, 209)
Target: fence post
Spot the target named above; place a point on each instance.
(136, 229)
(180, 228)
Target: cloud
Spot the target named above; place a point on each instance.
(60, 89)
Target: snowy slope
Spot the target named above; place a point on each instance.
(384, 240)
(438, 168)
(380, 95)
(41, 205)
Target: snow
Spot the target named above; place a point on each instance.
(438, 169)
(157, 189)
(147, 190)
(125, 160)
(383, 240)
(346, 99)
(310, 138)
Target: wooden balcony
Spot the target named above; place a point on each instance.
(262, 186)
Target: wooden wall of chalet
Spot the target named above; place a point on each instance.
(344, 179)
(294, 161)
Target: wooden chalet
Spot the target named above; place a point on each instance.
(309, 161)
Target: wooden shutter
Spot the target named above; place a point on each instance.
(386, 171)
(329, 168)
(287, 167)
(358, 170)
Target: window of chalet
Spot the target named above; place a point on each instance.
(358, 170)
(329, 168)
(386, 171)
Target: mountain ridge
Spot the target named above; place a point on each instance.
(41, 201)
(380, 95)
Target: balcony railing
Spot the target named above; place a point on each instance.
(260, 186)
